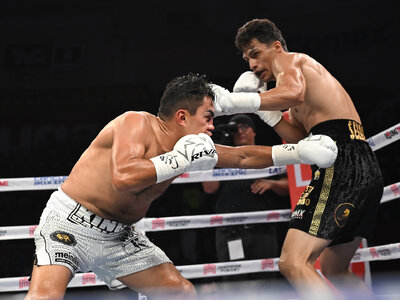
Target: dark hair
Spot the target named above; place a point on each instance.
(263, 30)
(185, 92)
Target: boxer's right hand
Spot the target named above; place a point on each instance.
(198, 150)
(193, 152)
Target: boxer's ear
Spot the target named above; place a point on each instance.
(181, 117)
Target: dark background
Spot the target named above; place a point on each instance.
(68, 67)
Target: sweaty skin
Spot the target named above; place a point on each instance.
(303, 86)
(114, 177)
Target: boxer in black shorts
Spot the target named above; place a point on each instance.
(338, 208)
(341, 202)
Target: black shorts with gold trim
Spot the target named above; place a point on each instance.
(341, 202)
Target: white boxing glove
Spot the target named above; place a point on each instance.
(193, 152)
(227, 103)
(248, 82)
(318, 150)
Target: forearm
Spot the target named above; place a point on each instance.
(134, 175)
(279, 98)
(244, 157)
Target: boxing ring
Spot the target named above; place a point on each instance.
(383, 252)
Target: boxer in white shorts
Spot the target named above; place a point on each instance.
(72, 236)
(130, 163)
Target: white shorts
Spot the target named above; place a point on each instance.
(72, 236)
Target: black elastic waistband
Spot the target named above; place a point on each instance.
(340, 128)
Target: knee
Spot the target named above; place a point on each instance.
(186, 287)
(291, 267)
(284, 266)
(181, 286)
(43, 295)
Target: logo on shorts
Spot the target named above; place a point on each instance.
(304, 200)
(298, 214)
(67, 258)
(342, 213)
(317, 174)
(63, 237)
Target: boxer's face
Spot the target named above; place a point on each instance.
(202, 121)
(259, 56)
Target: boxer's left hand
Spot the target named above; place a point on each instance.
(318, 150)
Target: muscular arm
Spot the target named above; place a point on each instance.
(129, 170)
(244, 157)
(289, 91)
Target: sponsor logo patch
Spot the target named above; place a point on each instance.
(304, 200)
(298, 214)
(342, 213)
(317, 174)
(63, 237)
(67, 258)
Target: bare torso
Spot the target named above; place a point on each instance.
(325, 98)
(89, 182)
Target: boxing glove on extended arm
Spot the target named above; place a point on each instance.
(318, 150)
(191, 153)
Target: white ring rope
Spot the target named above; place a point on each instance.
(376, 142)
(175, 223)
(384, 252)
(197, 221)
(53, 182)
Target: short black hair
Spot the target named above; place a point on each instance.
(264, 30)
(184, 92)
